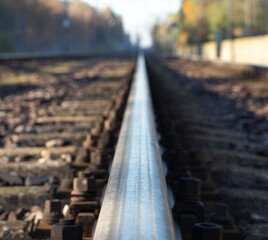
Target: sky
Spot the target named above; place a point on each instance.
(139, 15)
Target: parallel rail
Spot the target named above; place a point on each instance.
(60, 54)
(136, 204)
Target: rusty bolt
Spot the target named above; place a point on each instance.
(108, 108)
(87, 221)
(52, 212)
(188, 199)
(67, 181)
(91, 140)
(223, 217)
(66, 229)
(83, 206)
(186, 222)
(97, 129)
(209, 191)
(66, 184)
(84, 174)
(189, 189)
(110, 124)
(52, 206)
(222, 209)
(101, 158)
(84, 187)
(106, 140)
(207, 231)
(207, 182)
(82, 156)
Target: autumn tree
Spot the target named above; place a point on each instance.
(37, 25)
(206, 20)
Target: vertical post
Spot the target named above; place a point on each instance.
(248, 17)
(218, 37)
(229, 19)
(93, 38)
(229, 27)
(66, 24)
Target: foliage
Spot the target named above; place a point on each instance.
(205, 20)
(37, 25)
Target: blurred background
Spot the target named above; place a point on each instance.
(49, 25)
(216, 29)
(66, 68)
(212, 29)
(207, 20)
(65, 25)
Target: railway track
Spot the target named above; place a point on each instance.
(89, 154)
(136, 204)
(63, 121)
(213, 130)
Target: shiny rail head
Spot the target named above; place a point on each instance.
(136, 204)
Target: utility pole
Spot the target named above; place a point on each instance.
(218, 37)
(229, 27)
(66, 25)
(229, 19)
(248, 17)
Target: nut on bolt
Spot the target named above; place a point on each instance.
(98, 128)
(223, 217)
(189, 189)
(66, 229)
(87, 221)
(207, 231)
(52, 212)
(209, 192)
(188, 208)
(84, 187)
(106, 140)
(101, 158)
(67, 181)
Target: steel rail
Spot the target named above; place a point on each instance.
(136, 204)
(60, 54)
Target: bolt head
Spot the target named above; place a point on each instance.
(84, 184)
(52, 206)
(66, 221)
(66, 232)
(84, 174)
(222, 209)
(207, 231)
(189, 186)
